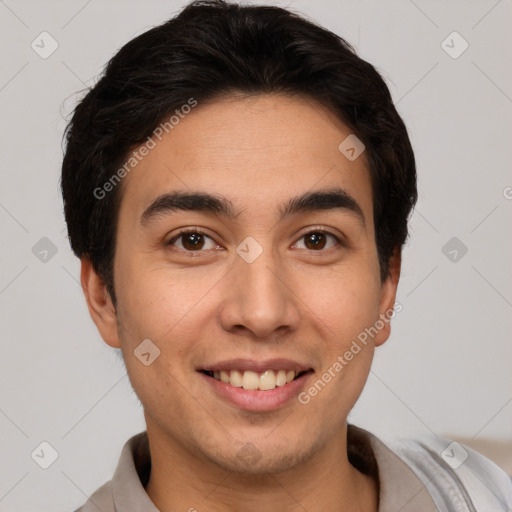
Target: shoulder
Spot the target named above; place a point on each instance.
(456, 475)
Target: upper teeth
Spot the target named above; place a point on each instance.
(268, 379)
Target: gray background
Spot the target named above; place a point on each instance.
(448, 365)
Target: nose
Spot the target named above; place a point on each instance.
(259, 299)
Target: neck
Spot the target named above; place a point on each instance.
(181, 480)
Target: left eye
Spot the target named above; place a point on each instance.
(317, 240)
(193, 241)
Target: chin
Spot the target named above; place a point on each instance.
(260, 459)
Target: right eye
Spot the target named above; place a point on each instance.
(192, 241)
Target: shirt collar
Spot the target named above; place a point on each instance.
(399, 487)
(131, 475)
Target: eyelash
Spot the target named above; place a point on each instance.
(199, 231)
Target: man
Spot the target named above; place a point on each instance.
(237, 186)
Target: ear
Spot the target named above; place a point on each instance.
(99, 302)
(388, 297)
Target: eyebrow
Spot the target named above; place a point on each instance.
(319, 200)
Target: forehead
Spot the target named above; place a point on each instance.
(256, 150)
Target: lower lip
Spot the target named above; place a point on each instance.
(254, 400)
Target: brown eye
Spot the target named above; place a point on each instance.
(318, 240)
(192, 241)
(315, 240)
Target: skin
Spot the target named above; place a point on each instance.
(293, 301)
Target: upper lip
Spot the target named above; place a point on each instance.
(257, 366)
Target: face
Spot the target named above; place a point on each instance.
(248, 279)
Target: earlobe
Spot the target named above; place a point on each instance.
(388, 297)
(99, 302)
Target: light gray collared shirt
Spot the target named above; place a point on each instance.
(412, 478)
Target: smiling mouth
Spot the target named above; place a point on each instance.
(261, 381)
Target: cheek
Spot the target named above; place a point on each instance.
(345, 319)
(346, 300)
(163, 305)
(168, 311)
